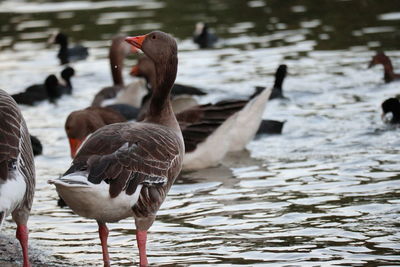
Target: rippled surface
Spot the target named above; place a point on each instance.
(325, 192)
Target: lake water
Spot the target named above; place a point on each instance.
(325, 192)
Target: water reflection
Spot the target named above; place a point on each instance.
(327, 23)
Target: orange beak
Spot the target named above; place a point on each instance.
(136, 41)
(74, 145)
(134, 71)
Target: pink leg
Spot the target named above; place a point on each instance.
(22, 236)
(103, 234)
(141, 237)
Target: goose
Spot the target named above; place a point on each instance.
(81, 123)
(132, 93)
(229, 129)
(68, 54)
(17, 170)
(203, 37)
(126, 169)
(182, 95)
(391, 105)
(280, 75)
(381, 58)
(205, 124)
(39, 92)
(145, 68)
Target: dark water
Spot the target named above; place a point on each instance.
(325, 192)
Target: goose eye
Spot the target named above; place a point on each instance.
(153, 37)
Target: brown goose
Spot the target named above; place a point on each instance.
(120, 93)
(81, 123)
(207, 126)
(215, 127)
(17, 170)
(126, 169)
(381, 58)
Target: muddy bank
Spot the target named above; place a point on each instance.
(11, 255)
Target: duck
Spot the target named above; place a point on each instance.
(68, 54)
(126, 169)
(203, 37)
(381, 58)
(39, 92)
(391, 105)
(55, 89)
(131, 93)
(17, 170)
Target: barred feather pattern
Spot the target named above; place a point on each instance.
(128, 154)
(15, 147)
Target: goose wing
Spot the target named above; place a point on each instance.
(128, 154)
(199, 122)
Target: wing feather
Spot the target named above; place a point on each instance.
(200, 122)
(128, 154)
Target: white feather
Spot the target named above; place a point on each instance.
(93, 200)
(12, 192)
(233, 135)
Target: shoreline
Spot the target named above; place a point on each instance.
(11, 254)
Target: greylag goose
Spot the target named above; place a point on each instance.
(203, 37)
(182, 95)
(17, 170)
(381, 58)
(145, 68)
(126, 169)
(280, 75)
(392, 105)
(132, 93)
(81, 123)
(39, 92)
(199, 125)
(68, 54)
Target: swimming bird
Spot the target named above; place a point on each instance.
(381, 58)
(17, 170)
(211, 124)
(68, 54)
(55, 89)
(280, 75)
(226, 126)
(82, 123)
(203, 37)
(39, 92)
(392, 105)
(119, 92)
(126, 169)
